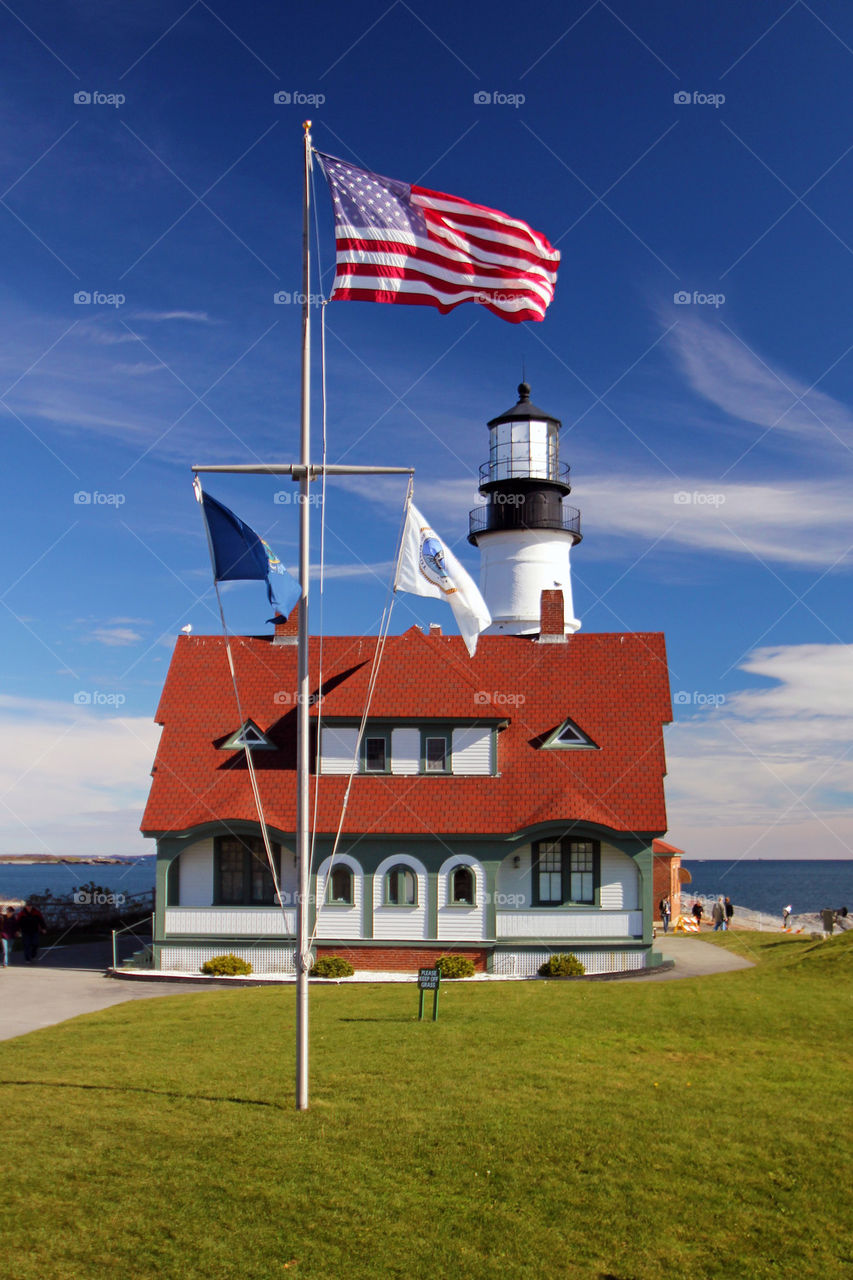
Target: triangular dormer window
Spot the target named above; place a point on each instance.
(249, 735)
(569, 735)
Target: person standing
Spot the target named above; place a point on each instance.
(8, 930)
(729, 912)
(828, 918)
(718, 914)
(696, 912)
(30, 922)
(665, 913)
(786, 916)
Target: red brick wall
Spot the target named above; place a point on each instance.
(391, 959)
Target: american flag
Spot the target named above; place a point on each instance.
(401, 243)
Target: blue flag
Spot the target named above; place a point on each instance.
(239, 554)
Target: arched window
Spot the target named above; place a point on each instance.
(401, 887)
(462, 886)
(339, 886)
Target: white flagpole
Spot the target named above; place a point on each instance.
(303, 810)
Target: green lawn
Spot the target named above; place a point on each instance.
(698, 1128)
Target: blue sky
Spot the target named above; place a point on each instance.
(710, 440)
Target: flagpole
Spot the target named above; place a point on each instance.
(303, 843)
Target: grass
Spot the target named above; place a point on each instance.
(571, 1130)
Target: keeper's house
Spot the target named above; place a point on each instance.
(504, 805)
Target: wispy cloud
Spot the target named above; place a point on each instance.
(194, 317)
(737, 379)
(767, 772)
(116, 636)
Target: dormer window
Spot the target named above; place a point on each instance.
(248, 735)
(569, 735)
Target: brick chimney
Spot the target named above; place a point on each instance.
(435, 628)
(286, 629)
(552, 618)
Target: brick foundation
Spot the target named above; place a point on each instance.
(393, 959)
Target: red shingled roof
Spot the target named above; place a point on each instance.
(614, 687)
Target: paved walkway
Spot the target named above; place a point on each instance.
(693, 958)
(67, 981)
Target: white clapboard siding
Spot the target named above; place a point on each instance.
(408, 924)
(620, 881)
(472, 750)
(195, 875)
(231, 922)
(569, 924)
(512, 886)
(338, 749)
(333, 919)
(461, 924)
(405, 750)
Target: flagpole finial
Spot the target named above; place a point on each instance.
(306, 125)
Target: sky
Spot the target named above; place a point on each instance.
(693, 165)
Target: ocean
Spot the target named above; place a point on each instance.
(61, 878)
(770, 884)
(762, 885)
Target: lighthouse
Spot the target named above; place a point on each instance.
(524, 531)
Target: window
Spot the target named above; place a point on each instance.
(569, 735)
(462, 887)
(549, 871)
(582, 871)
(375, 756)
(243, 876)
(248, 735)
(436, 753)
(401, 887)
(339, 887)
(565, 873)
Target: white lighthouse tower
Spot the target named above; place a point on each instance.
(524, 531)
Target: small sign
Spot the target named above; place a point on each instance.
(428, 980)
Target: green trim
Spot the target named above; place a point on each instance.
(432, 903)
(491, 921)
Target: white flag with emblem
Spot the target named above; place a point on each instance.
(428, 567)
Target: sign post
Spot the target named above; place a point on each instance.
(428, 980)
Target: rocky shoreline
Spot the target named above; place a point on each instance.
(745, 918)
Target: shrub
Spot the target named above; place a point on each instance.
(332, 967)
(229, 966)
(562, 965)
(456, 967)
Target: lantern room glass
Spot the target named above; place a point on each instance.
(526, 449)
